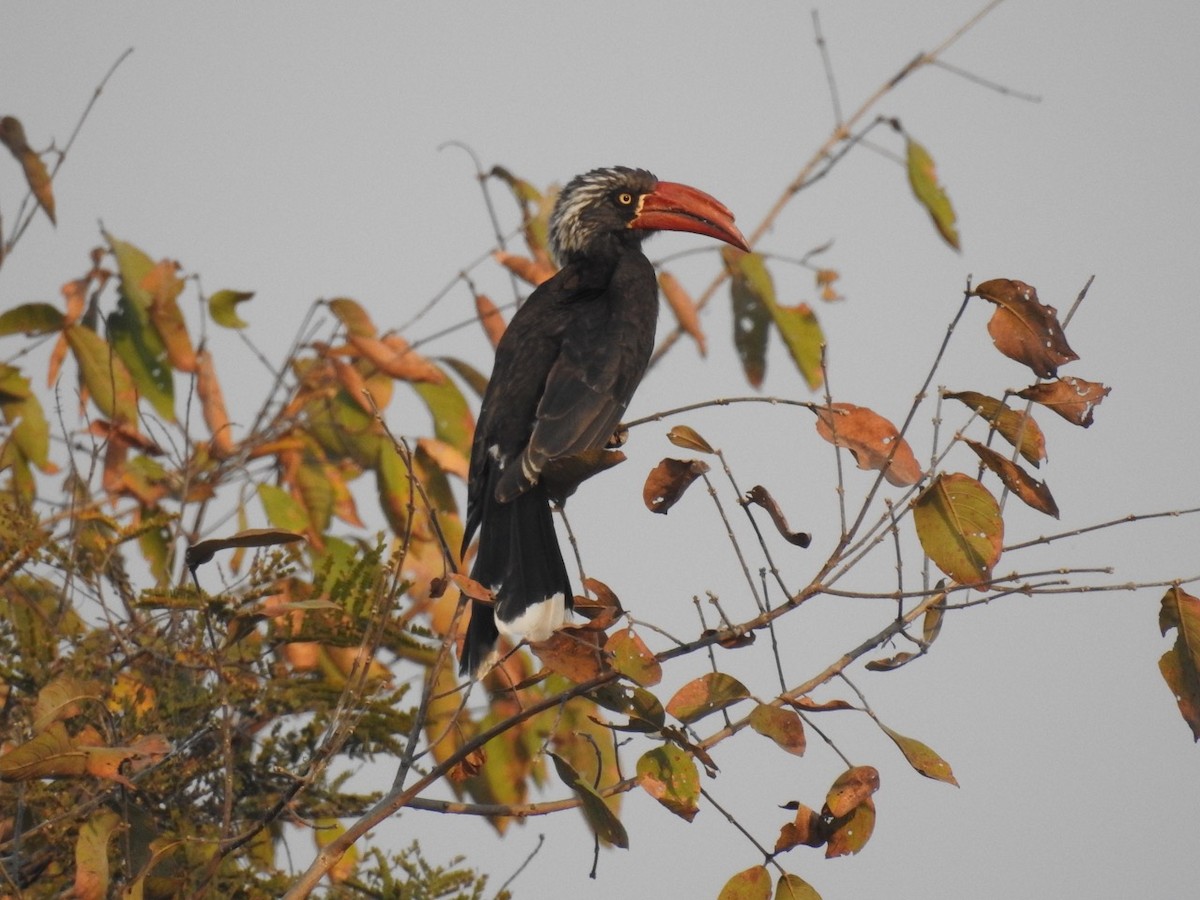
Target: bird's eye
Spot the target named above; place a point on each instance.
(625, 198)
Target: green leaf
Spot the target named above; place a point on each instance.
(960, 528)
(669, 775)
(783, 726)
(222, 308)
(475, 379)
(131, 334)
(92, 874)
(282, 509)
(394, 485)
(751, 315)
(31, 318)
(749, 884)
(804, 338)
(603, 821)
(633, 659)
(23, 412)
(103, 373)
(706, 695)
(452, 419)
(921, 757)
(922, 175)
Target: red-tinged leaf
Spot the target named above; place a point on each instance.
(872, 440)
(528, 270)
(222, 308)
(759, 496)
(922, 758)
(103, 373)
(633, 659)
(684, 309)
(353, 317)
(667, 482)
(849, 834)
(31, 319)
(809, 705)
(1012, 425)
(750, 884)
(806, 829)
(164, 286)
(1025, 329)
(574, 652)
(705, 695)
(669, 775)
(751, 316)
(1180, 666)
(922, 176)
(92, 874)
(12, 135)
(852, 788)
(1032, 493)
(793, 887)
(1072, 398)
(603, 821)
(490, 318)
(203, 551)
(780, 725)
(960, 527)
(689, 439)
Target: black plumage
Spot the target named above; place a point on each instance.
(566, 369)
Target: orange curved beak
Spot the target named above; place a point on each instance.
(679, 207)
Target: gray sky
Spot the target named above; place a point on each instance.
(293, 151)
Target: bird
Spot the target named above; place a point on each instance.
(565, 370)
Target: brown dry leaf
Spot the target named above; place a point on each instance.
(871, 439)
(471, 588)
(806, 829)
(1025, 329)
(668, 480)
(759, 496)
(1032, 492)
(200, 553)
(888, 663)
(393, 357)
(523, 267)
(490, 318)
(1072, 398)
(684, 309)
(1180, 666)
(1012, 425)
(12, 135)
(848, 834)
(125, 434)
(575, 652)
(601, 609)
(809, 705)
(782, 726)
(212, 405)
(447, 457)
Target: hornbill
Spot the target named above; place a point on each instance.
(565, 370)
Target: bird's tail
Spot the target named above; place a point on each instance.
(519, 560)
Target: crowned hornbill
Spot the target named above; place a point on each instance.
(565, 370)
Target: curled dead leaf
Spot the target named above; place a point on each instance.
(759, 496)
(668, 480)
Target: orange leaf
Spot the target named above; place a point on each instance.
(780, 725)
(525, 268)
(872, 439)
(12, 135)
(490, 318)
(1025, 329)
(668, 480)
(164, 286)
(1012, 425)
(212, 406)
(684, 309)
(852, 788)
(573, 652)
(1072, 398)
(393, 357)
